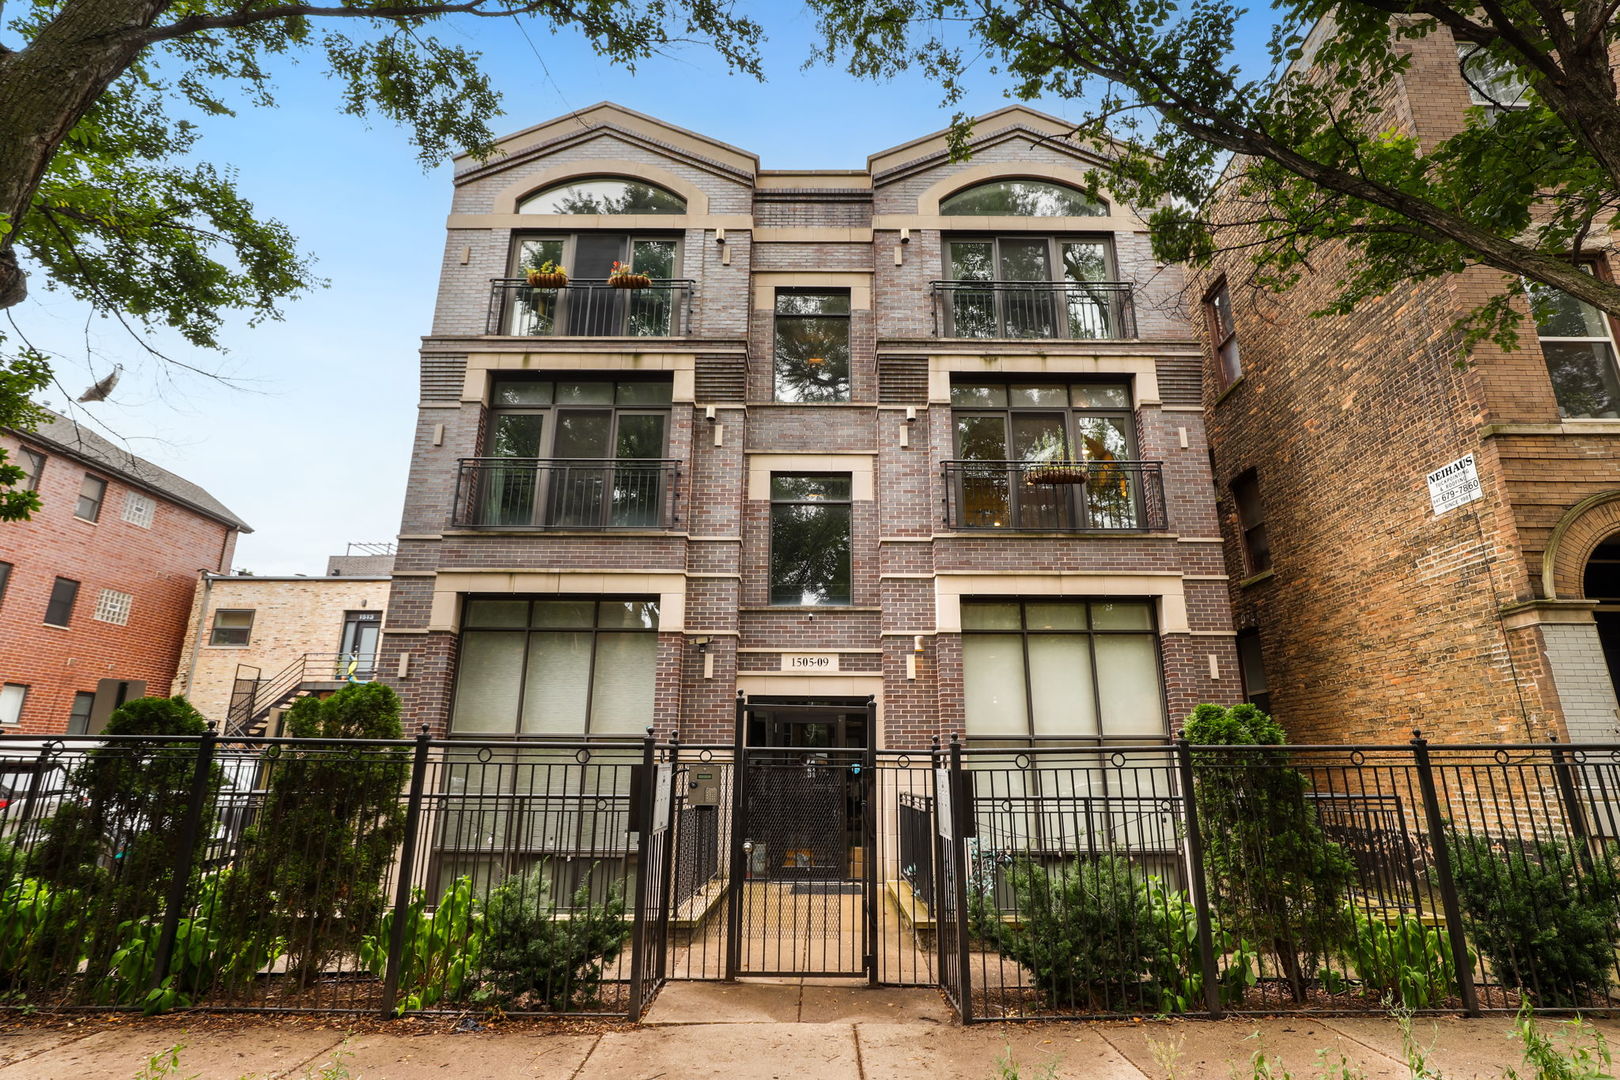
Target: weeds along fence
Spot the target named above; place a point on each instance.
(326, 876)
(1249, 879)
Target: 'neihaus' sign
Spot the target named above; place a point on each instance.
(1454, 485)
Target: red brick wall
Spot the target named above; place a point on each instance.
(158, 566)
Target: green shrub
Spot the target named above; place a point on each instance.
(442, 950)
(41, 935)
(311, 872)
(1401, 958)
(1178, 969)
(1543, 912)
(1086, 933)
(533, 951)
(119, 844)
(1275, 878)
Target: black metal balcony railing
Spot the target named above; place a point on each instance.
(1055, 496)
(1083, 310)
(566, 493)
(590, 307)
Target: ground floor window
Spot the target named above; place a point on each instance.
(556, 666)
(1061, 671)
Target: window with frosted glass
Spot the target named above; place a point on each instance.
(1060, 671)
(1577, 342)
(562, 667)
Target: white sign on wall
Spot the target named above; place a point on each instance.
(809, 661)
(1453, 485)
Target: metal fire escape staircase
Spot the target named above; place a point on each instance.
(254, 698)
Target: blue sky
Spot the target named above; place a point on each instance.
(313, 451)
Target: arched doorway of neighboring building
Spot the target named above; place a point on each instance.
(1601, 582)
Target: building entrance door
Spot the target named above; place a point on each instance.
(802, 881)
(358, 649)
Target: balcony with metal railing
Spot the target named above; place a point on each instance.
(1055, 496)
(566, 493)
(590, 307)
(1053, 310)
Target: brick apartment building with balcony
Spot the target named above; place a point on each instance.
(96, 589)
(1363, 613)
(928, 433)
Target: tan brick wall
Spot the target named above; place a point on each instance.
(291, 618)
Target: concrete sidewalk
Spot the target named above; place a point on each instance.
(765, 1031)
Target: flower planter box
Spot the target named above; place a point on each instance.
(1057, 474)
(547, 281)
(630, 281)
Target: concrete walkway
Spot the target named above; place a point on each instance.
(766, 1031)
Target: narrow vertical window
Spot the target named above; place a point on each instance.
(1577, 342)
(60, 608)
(5, 579)
(91, 492)
(12, 696)
(33, 467)
(1223, 334)
(812, 345)
(1252, 523)
(79, 719)
(810, 539)
(1253, 669)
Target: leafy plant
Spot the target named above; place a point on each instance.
(1543, 912)
(1276, 879)
(1178, 971)
(311, 874)
(1007, 1068)
(1402, 957)
(442, 949)
(163, 1065)
(533, 950)
(1087, 933)
(41, 934)
(1573, 1061)
(120, 844)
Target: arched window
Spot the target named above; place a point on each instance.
(1021, 198)
(603, 195)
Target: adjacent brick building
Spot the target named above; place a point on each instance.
(1363, 613)
(927, 432)
(96, 588)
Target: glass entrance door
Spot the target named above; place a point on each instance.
(361, 632)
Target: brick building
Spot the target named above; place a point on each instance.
(95, 589)
(254, 643)
(1363, 612)
(927, 432)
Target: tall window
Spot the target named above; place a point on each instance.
(565, 667)
(1223, 334)
(1253, 669)
(91, 493)
(812, 345)
(232, 627)
(1577, 342)
(1065, 671)
(33, 467)
(84, 703)
(59, 610)
(1251, 523)
(5, 579)
(12, 696)
(1027, 286)
(1015, 428)
(590, 306)
(587, 453)
(810, 539)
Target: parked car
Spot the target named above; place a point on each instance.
(32, 784)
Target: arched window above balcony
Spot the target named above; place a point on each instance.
(603, 195)
(1021, 198)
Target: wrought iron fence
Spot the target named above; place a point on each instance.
(1055, 496)
(590, 308)
(566, 493)
(1083, 310)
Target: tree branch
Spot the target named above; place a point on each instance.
(245, 17)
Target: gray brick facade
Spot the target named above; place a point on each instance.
(746, 233)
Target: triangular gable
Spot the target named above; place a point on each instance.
(607, 118)
(1004, 125)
